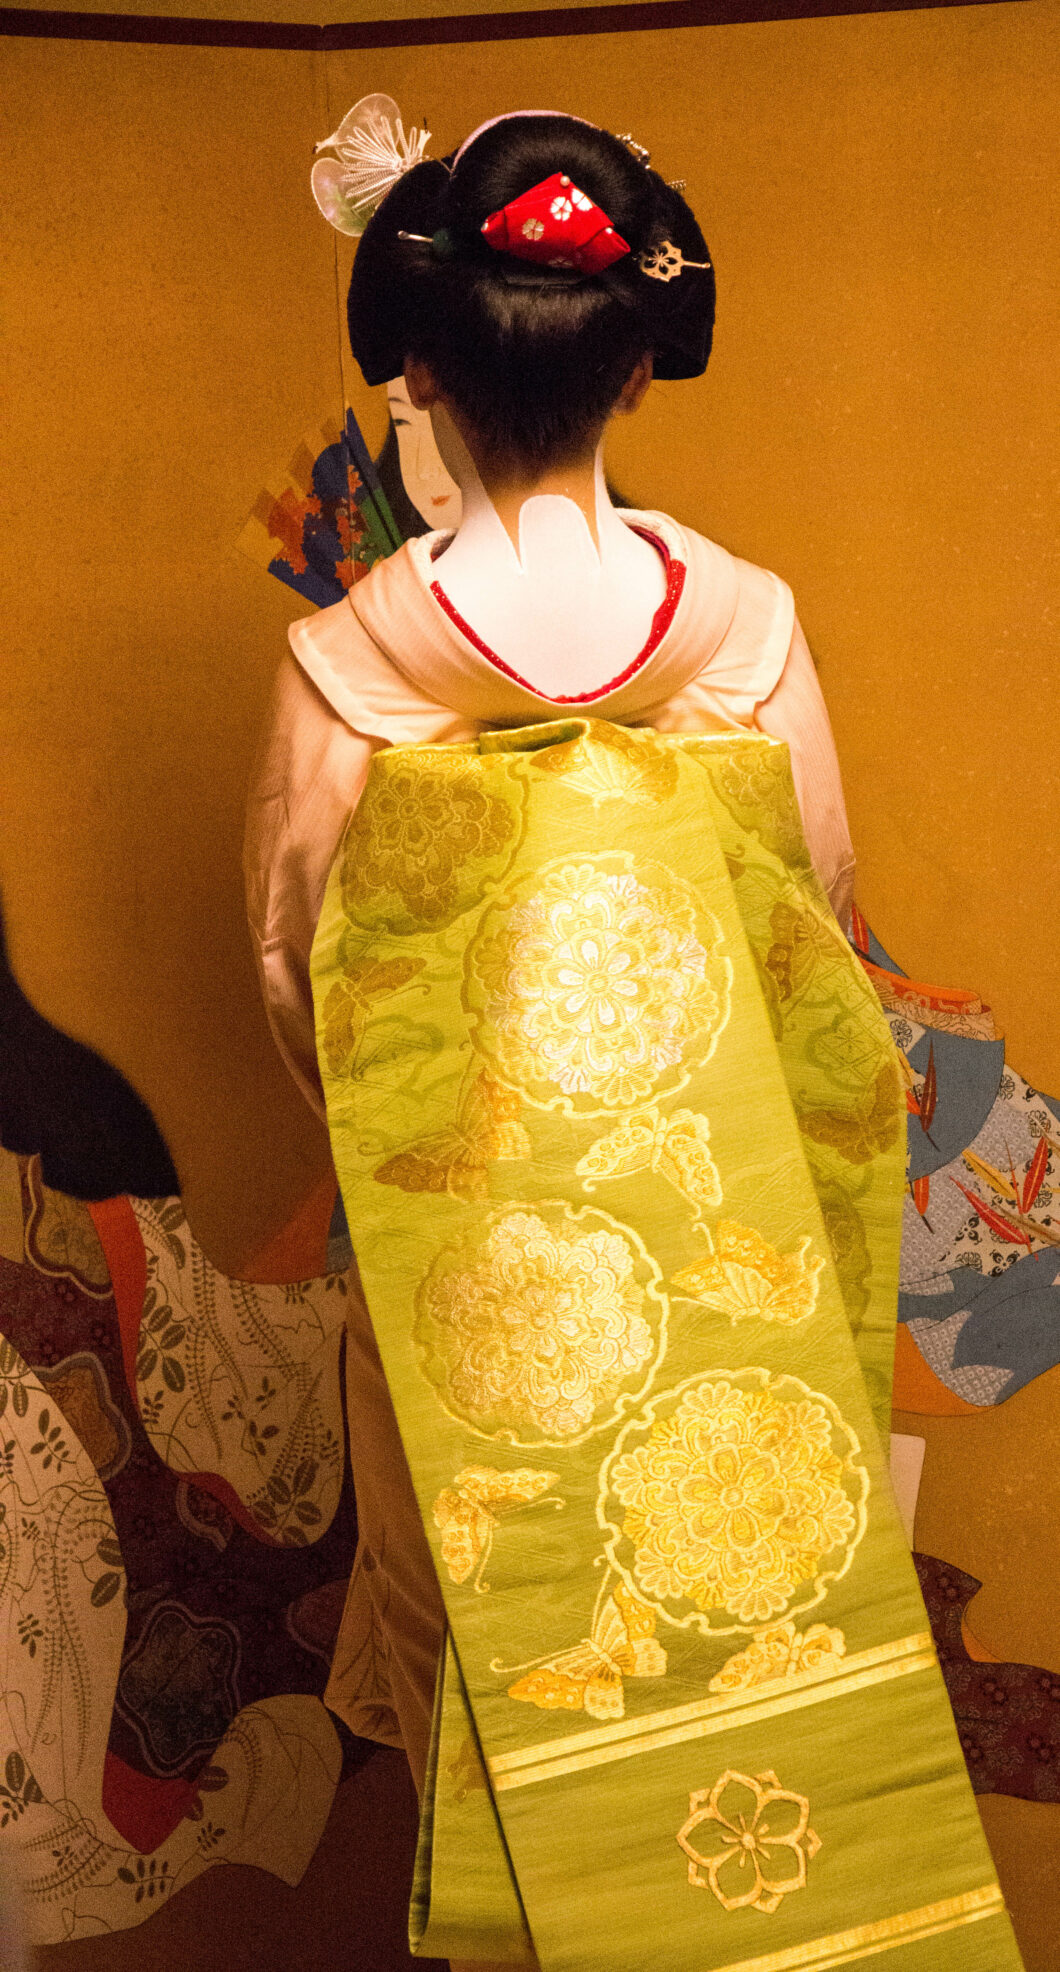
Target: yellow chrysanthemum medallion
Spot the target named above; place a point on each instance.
(734, 1499)
(598, 984)
(542, 1325)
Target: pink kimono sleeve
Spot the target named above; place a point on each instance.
(308, 780)
(795, 712)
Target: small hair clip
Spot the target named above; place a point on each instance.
(677, 184)
(624, 137)
(665, 262)
(373, 150)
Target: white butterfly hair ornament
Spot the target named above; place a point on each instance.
(372, 151)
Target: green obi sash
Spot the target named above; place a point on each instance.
(619, 1129)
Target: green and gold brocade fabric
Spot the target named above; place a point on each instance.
(619, 1130)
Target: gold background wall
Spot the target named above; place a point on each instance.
(878, 424)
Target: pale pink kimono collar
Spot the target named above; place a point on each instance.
(395, 662)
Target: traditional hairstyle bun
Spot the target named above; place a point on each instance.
(535, 357)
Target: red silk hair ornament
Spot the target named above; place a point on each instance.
(555, 225)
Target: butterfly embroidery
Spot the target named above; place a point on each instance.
(589, 1678)
(349, 1003)
(468, 1513)
(458, 1160)
(781, 1652)
(802, 943)
(857, 1134)
(743, 1275)
(676, 1146)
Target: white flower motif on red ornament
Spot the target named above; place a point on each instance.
(580, 199)
(532, 229)
(561, 208)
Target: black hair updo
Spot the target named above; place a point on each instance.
(533, 357)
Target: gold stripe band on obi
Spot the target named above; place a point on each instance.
(910, 1928)
(717, 1714)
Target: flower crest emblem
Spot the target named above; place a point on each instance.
(753, 1839)
(533, 1330)
(533, 229)
(734, 1500)
(561, 209)
(421, 833)
(598, 985)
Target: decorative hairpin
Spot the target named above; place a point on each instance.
(665, 262)
(638, 149)
(373, 150)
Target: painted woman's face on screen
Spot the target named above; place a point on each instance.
(434, 494)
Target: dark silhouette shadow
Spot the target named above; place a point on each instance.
(95, 1136)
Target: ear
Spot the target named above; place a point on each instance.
(636, 383)
(420, 384)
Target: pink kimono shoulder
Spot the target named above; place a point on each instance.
(391, 665)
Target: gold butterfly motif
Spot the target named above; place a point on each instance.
(487, 1131)
(589, 1678)
(676, 1146)
(469, 1511)
(743, 1275)
(781, 1652)
(858, 1133)
(349, 1003)
(802, 942)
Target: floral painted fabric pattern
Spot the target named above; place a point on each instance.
(168, 1620)
(756, 1837)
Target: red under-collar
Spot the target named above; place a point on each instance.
(660, 623)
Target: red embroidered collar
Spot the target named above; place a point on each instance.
(660, 623)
